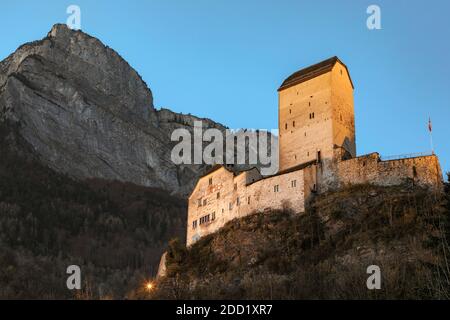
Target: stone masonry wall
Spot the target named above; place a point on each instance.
(221, 197)
(422, 171)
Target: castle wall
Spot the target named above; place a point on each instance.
(221, 196)
(422, 171)
(229, 197)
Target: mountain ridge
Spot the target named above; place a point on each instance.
(89, 114)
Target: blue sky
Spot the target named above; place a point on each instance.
(225, 59)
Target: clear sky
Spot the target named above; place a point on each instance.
(224, 59)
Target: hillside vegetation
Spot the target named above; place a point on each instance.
(114, 231)
(323, 253)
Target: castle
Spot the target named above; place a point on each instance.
(317, 153)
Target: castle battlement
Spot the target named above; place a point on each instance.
(317, 153)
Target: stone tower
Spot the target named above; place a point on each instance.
(316, 115)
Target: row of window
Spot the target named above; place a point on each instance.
(210, 181)
(309, 103)
(211, 217)
(319, 156)
(276, 188)
(204, 219)
(207, 218)
(200, 202)
(238, 202)
(311, 116)
(203, 202)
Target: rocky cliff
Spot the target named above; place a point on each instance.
(88, 114)
(323, 253)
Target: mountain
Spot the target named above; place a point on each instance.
(86, 176)
(88, 114)
(322, 254)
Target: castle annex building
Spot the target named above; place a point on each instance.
(317, 153)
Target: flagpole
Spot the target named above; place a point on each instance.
(430, 128)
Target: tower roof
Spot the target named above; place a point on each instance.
(312, 72)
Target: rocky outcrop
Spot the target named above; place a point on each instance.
(87, 113)
(321, 254)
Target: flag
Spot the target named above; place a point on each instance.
(429, 124)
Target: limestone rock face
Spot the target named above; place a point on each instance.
(87, 113)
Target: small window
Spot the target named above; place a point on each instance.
(276, 188)
(235, 186)
(199, 202)
(204, 202)
(290, 111)
(223, 210)
(309, 103)
(194, 224)
(293, 123)
(230, 206)
(341, 117)
(285, 126)
(313, 115)
(210, 181)
(341, 71)
(248, 200)
(218, 195)
(237, 201)
(294, 183)
(213, 216)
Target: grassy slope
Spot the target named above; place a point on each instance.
(323, 253)
(114, 231)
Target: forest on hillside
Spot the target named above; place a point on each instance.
(116, 232)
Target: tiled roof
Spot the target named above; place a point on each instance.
(311, 72)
